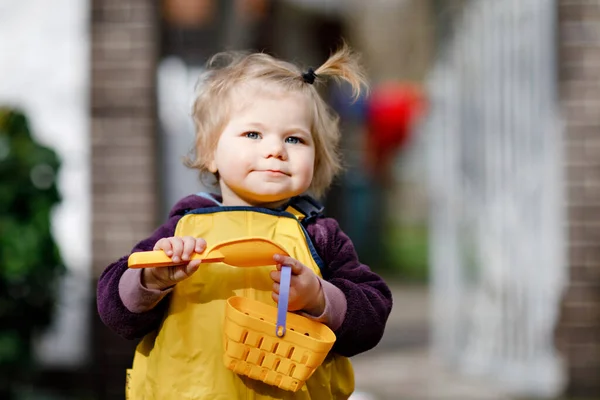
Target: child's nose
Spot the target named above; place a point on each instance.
(274, 148)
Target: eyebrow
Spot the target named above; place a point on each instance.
(256, 125)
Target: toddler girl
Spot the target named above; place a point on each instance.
(268, 138)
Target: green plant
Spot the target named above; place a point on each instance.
(30, 262)
(407, 252)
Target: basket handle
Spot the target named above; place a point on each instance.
(282, 305)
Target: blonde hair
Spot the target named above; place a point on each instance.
(228, 70)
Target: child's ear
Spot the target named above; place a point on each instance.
(212, 166)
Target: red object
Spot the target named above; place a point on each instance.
(392, 111)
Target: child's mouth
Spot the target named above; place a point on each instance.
(275, 172)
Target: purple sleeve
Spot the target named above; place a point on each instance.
(368, 298)
(135, 296)
(112, 311)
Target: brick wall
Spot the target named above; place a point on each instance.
(124, 51)
(579, 73)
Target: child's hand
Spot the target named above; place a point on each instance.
(179, 249)
(306, 293)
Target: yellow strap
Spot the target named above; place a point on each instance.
(296, 213)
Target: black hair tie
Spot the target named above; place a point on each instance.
(309, 76)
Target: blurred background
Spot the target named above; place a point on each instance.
(472, 181)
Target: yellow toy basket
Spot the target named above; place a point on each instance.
(254, 349)
(262, 342)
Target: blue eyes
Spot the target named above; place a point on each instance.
(293, 140)
(289, 139)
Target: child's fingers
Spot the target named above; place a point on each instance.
(200, 245)
(189, 245)
(192, 267)
(296, 265)
(276, 287)
(275, 298)
(177, 245)
(177, 273)
(276, 276)
(164, 245)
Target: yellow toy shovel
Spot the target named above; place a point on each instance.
(244, 252)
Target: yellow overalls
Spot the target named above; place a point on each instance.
(184, 358)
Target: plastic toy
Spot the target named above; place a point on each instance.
(244, 252)
(262, 342)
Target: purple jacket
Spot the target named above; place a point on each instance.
(368, 298)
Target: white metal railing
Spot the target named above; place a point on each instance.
(495, 175)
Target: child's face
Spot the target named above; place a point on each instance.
(265, 154)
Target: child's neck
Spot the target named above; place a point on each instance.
(241, 202)
(230, 199)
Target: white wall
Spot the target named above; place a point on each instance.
(497, 197)
(44, 67)
(176, 83)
